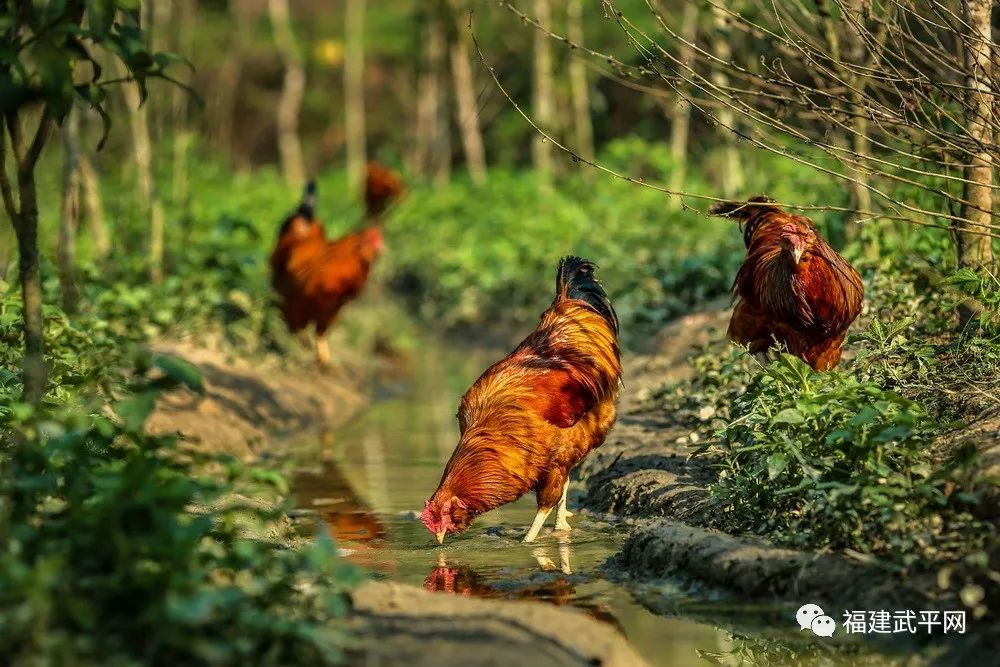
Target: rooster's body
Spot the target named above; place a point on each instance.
(793, 288)
(314, 277)
(531, 417)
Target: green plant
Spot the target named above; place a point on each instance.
(117, 549)
(984, 287)
(822, 459)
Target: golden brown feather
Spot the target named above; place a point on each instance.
(532, 416)
(793, 289)
(314, 277)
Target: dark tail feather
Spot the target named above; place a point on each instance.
(307, 209)
(740, 210)
(575, 280)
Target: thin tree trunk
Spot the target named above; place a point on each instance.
(24, 217)
(292, 91)
(354, 89)
(7, 249)
(33, 367)
(733, 177)
(223, 101)
(95, 205)
(434, 101)
(853, 51)
(186, 10)
(680, 119)
(427, 95)
(543, 101)
(149, 198)
(975, 250)
(70, 218)
(580, 87)
(465, 96)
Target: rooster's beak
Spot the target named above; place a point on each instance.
(440, 536)
(797, 254)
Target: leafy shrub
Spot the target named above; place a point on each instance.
(84, 354)
(822, 459)
(116, 549)
(985, 288)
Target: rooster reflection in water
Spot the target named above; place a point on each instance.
(338, 505)
(558, 589)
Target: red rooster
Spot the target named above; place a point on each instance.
(315, 277)
(532, 416)
(793, 289)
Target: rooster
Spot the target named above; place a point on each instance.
(314, 277)
(793, 289)
(532, 416)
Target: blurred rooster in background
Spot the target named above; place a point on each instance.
(315, 277)
(531, 417)
(793, 288)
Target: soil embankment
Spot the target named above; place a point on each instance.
(249, 402)
(406, 625)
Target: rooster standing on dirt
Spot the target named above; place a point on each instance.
(793, 288)
(531, 417)
(316, 277)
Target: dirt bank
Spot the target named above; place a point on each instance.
(247, 402)
(405, 625)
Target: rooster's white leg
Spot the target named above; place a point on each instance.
(561, 512)
(564, 564)
(536, 525)
(322, 350)
(545, 564)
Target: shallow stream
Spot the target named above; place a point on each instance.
(368, 481)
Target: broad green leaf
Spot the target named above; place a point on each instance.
(776, 464)
(788, 416)
(180, 370)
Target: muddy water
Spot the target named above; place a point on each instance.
(369, 480)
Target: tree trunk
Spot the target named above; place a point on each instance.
(184, 16)
(152, 208)
(70, 219)
(432, 138)
(292, 91)
(222, 103)
(580, 87)
(732, 174)
(24, 218)
(465, 96)
(972, 249)
(544, 97)
(95, 205)
(33, 366)
(680, 119)
(354, 89)
(427, 96)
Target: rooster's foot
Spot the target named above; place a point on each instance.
(536, 525)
